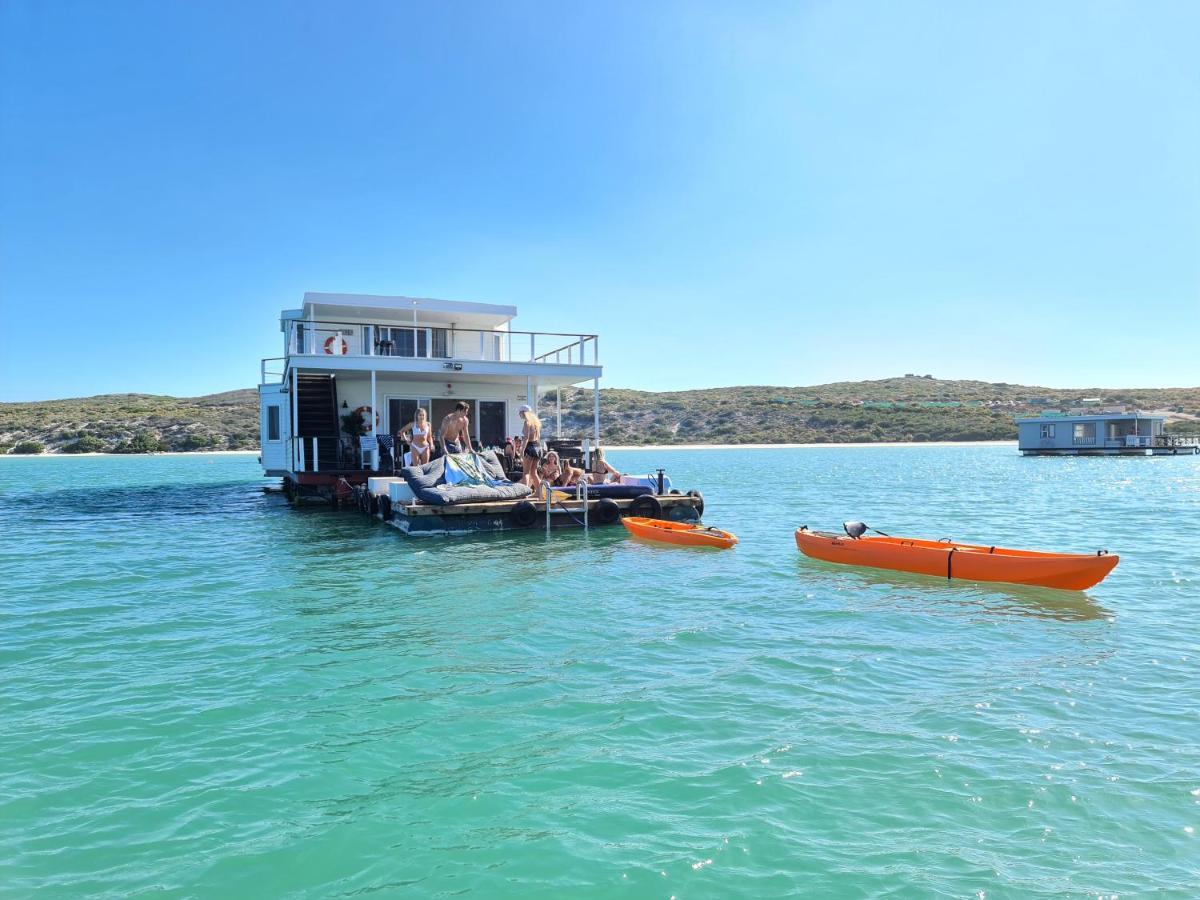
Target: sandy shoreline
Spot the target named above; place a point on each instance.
(164, 453)
(623, 448)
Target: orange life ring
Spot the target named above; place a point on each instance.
(342, 347)
(365, 412)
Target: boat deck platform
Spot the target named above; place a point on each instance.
(514, 515)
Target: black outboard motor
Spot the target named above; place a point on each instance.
(855, 529)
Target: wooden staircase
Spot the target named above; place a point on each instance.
(316, 403)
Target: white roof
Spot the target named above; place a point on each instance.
(329, 307)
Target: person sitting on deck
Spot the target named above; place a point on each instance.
(601, 469)
(548, 470)
(566, 475)
(455, 432)
(420, 437)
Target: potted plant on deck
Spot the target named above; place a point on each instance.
(355, 425)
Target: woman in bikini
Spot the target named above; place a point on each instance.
(601, 470)
(568, 475)
(417, 433)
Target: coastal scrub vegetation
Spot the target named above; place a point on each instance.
(135, 423)
(911, 408)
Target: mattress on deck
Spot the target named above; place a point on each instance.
(428, 483)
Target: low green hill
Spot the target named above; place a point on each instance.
(134, 423)
(911, 408)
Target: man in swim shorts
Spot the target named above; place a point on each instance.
(456, 430)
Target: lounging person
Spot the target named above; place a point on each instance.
(455, 432)
(548, 470)
(531, 442)
(601, 469)
(420, 437)
(568, 475)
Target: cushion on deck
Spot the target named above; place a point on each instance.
(428, 483)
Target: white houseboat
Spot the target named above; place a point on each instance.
(1112, 432)
(385, 356)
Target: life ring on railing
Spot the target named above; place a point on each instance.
(336, 345)
(365, 412)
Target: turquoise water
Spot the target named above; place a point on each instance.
(208, 693)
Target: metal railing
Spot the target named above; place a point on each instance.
(1084, 441)
(439, 342)
(274, 368)
(1177, 440)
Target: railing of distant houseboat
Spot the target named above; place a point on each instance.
(437, 341)
(1177, 440)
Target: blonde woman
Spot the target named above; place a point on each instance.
(531, 440)
(420, 437)
(601, 469)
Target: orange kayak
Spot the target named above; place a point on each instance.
(683, 533)
(1068, 571)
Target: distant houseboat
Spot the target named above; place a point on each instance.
(1100, 433)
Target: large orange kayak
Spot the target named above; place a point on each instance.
(1068, 571)
(682, 533)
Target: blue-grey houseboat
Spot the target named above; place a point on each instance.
(1100, 434)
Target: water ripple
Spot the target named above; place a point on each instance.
(210, 693)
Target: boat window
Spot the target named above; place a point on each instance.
(409, 341)
(440, 344)
(401, 411)
(492, 419)
(1047, 431)
(272, 423)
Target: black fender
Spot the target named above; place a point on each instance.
(607, 511)
(524, 514)
(646, 506)
(385, 507)
(698, 499)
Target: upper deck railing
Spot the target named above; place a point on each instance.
(427, 341)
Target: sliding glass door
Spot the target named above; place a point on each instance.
(412, 342)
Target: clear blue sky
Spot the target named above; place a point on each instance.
(738, 193)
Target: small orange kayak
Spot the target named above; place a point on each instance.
(971, 562)
(683, 533)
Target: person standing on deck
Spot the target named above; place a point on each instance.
(417, 433)
(456, 430)
(531, 441)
